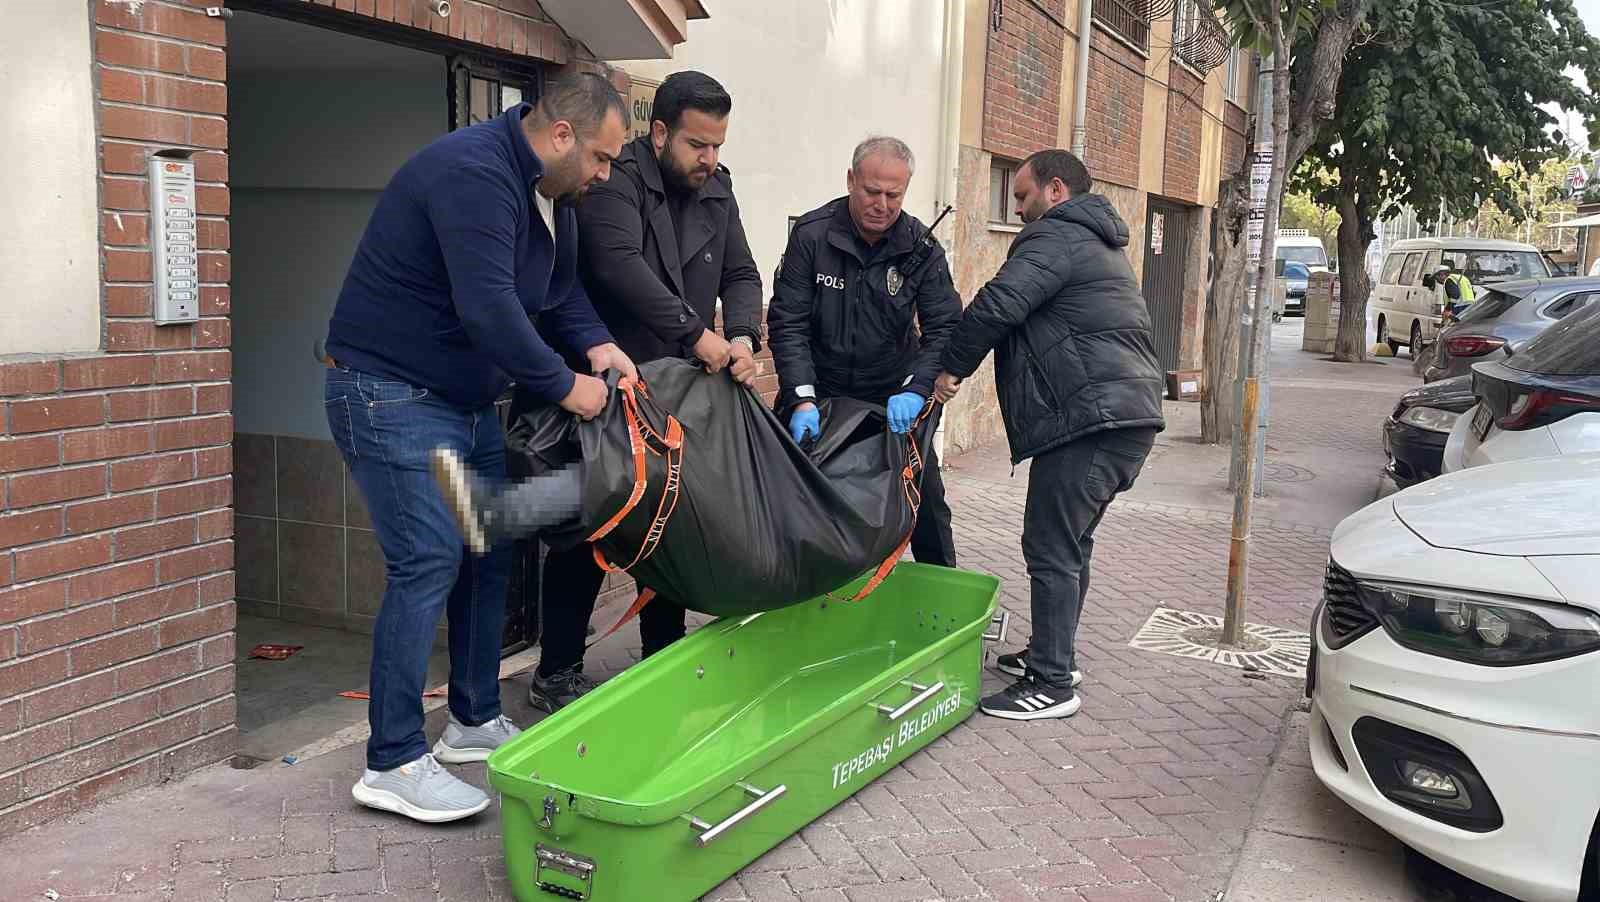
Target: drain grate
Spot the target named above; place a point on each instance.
(1186, 634)
(1278, 472)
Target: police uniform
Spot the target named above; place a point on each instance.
(866, 321)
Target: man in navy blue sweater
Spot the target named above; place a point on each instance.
(472, 240)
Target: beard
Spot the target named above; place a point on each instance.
(679, 179)
(565, 178)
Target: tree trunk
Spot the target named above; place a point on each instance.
(1223, 315)
(1350, 346)
(1315, 99)
(1314, 105)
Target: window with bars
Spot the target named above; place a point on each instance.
(1186, 31)
(481, 92)
(1126, 19)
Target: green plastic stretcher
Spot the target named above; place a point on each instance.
(671, 777)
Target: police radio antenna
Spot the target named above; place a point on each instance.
(927, 235)
(924, 246)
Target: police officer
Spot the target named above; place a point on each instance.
(862, 309)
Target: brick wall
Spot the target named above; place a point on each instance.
(116, 583)
(1235, 138)
(116, 552)
(517, 26)
(1022, 80)
(1116, 110)
(1185, 94)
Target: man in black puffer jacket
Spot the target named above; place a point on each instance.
(1080, 392)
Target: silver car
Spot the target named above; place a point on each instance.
(1503, 319)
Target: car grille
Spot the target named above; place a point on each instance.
(1346, 618)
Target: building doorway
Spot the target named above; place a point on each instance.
(319, 121)
(1165, 258)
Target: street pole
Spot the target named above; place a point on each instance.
(1249, 444)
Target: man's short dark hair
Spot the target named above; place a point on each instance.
(689, 91)
(583, 100)
(1059, 164)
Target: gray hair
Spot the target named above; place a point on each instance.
(893, 148)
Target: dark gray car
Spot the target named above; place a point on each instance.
(1506, 316)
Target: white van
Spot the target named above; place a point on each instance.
(1408, 311)
(1299, 246)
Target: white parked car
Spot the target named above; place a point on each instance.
(1455, 660)
(1541, 401)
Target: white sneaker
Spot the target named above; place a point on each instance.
(462, 744)
(421, 790)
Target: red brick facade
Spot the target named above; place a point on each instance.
(1181, 173)
(1116, 111)
(116, 525)
(1235, 139)
(1022, 82)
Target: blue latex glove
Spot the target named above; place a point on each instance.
(903, 410)
(805, 420)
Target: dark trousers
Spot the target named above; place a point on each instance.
(931, 539)
(385, 431)
(571, 584)
(1069, 489)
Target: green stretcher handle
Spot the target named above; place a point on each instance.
(927, 692)
(763, 799)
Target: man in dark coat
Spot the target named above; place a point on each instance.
(1080, 393)
(658, 244)
(863, 305)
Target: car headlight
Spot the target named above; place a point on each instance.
(1480, 629)
(1430, 418)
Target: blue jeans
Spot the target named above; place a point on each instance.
(386, 431)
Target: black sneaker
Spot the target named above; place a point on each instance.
(467, 498)
(1017, 665)
(558, 690)
(1027, 699)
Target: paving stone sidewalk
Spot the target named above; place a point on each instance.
(1145, 795)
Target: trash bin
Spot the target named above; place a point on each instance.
(672, 776)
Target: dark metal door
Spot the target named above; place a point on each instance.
(1165, 251)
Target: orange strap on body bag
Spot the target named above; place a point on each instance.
(643, 439)
(911, 483)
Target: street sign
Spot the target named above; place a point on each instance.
(1577, 180)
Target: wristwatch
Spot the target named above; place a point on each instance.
(749, 344)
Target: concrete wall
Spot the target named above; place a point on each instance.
(50, 263)
(974, 417)
(809, 80)
(312, 152)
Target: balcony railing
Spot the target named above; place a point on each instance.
(1198, 38)
(1126, 18)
